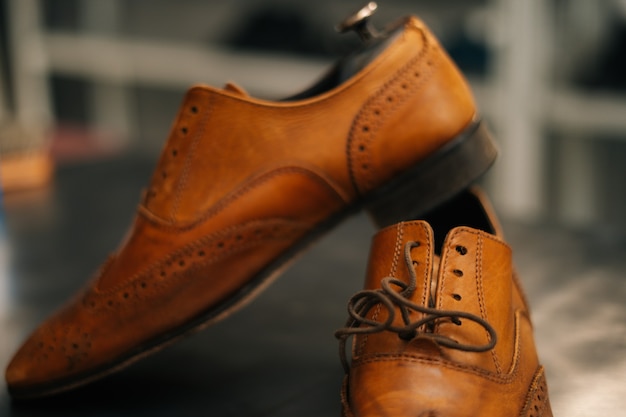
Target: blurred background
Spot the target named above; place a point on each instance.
(89, 88)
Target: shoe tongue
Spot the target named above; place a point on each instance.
(236, 89)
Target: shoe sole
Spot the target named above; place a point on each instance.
(431, 182)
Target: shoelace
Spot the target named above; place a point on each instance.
(363, 301)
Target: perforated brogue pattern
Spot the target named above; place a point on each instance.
(405, 83)
(74, 344)
(537, 403)
(192, 257)
(161, 196)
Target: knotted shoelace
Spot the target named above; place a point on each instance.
(363, 301)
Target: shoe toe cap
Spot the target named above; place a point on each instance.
(53, 352)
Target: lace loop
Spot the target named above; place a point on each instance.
(388, 297)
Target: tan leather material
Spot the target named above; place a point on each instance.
(99, 324)
(240, 184)
(388, 248)
(485, 264)
(313, 132)
(303, 196)
(391, 376)
(428, 82)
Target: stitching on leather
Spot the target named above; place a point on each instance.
(365, 158)
(407, 357)
(481, 296)
(236, 194)
(517, 343)
(480, 235)
(174, 277)
(431, 361)
(199, 134)
(394, 266)
(428, 266)
(396, 252)
(485, 235)
(538, 381)
(442, 275)
(214, 237)
(345, 401)
(373, 102)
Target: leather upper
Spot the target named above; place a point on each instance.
(239, 182)
(472, 272)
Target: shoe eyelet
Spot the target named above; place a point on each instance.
(456, 321)
(457, 297)
(184, 130)
(461, 249)
(174, 152)
(194, 109)
(457, 272)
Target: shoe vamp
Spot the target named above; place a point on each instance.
(414, 386)
(279, 205)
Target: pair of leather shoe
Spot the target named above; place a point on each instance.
(243, 185)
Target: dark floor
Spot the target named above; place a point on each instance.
(277, 357)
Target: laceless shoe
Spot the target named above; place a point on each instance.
(243, 185)
(442, 327)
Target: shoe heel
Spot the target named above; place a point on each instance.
(435, 180)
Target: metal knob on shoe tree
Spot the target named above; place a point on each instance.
(359, 22)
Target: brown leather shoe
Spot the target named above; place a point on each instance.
(442, 327)
(244, 184)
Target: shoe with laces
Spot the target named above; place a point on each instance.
(243, 185)
(442, 327)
